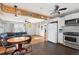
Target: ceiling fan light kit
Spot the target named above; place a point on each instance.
(57, 10)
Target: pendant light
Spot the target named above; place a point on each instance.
(15, 10)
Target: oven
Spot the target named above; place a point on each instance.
(71, 33)
(71, 39)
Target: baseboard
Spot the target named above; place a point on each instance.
(66, 46)
(51, 42)
(62, 45)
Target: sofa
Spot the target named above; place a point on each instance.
(12, 34)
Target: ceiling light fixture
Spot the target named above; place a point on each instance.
(42, 17)
(15, 10)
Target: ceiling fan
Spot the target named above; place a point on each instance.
(57, 10)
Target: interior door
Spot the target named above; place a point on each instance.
(52, 32)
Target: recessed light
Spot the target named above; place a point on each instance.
(42, 16)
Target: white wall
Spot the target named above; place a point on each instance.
(5, 27)
(71, 16)
(38, 26)
(61, 24)
(1, 27)
(8, 27)
(39, 30)
(31, 30)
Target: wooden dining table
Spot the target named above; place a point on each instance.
(19, 41)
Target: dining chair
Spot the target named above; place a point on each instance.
(4, 42)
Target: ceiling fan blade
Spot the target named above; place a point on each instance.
(56, 7)
(58, 12)
(52, 13)
(62, 9)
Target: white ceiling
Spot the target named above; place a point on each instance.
(44, 8)
(13, 18)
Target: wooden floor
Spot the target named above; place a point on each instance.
(52, 49)
(39, 47)
(48, 48)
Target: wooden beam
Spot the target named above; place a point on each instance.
(9, 9)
